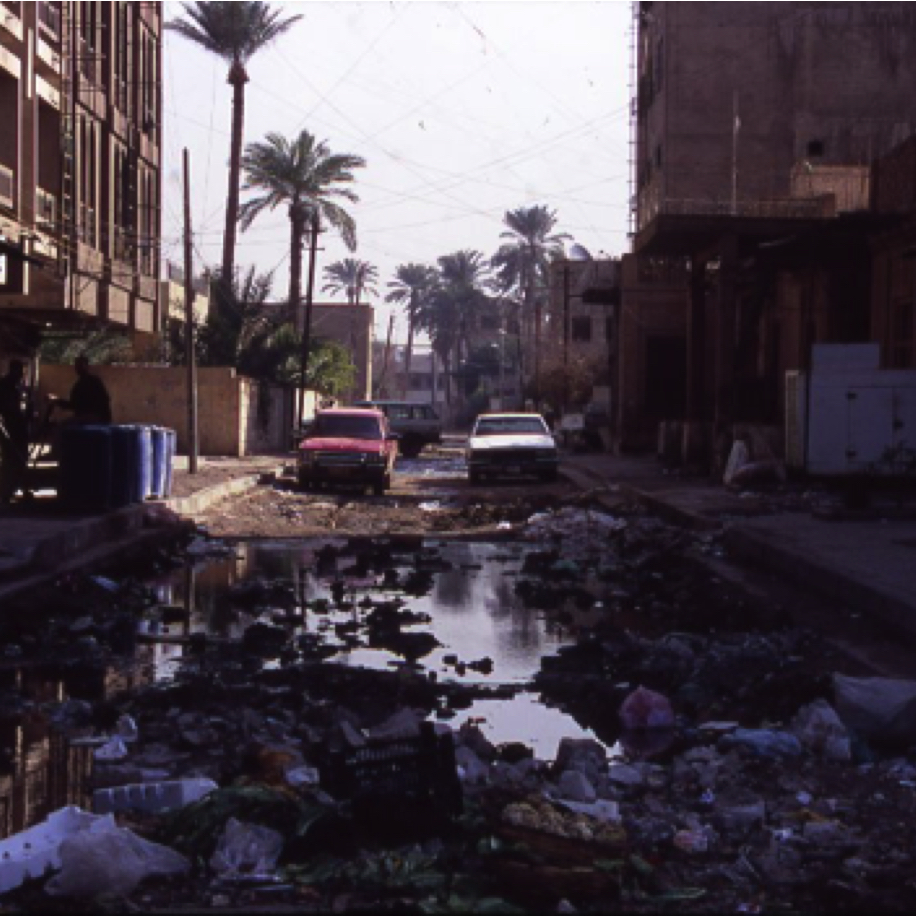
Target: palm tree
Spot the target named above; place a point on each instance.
(464, 275)
(522, 263)
(351, 277)
(306, 177)
(455, 302)
(235, 32)
(412, 287)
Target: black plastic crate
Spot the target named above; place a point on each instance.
(420, 768)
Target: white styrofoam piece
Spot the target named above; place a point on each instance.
(151, 796)
(29, 853)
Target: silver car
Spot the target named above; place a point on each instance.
(511, 444)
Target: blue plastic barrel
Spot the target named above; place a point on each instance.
(144, 467)
(159, 457)
(125, 444)
(171, 445)
(85, 467)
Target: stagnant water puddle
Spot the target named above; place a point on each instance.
(473, 612)
(473, 609)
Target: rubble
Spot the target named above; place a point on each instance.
(734, 767)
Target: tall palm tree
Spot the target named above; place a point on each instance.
(351, 277)
(412, 287)
(522, 263)
(235, 32)
(305, 177)
(464, 276)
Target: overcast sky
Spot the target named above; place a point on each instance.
(462, 111)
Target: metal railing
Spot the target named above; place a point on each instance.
(777, 208)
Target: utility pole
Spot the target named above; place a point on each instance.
(384, 371)
(565, 337)
(190, 357)
(307, 319)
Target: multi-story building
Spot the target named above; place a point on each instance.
(80, 190)
(755, 128)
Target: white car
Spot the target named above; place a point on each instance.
(511, 444)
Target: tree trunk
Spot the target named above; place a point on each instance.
(237, 79)
(408, 356)
(307, 321)
(297, 231)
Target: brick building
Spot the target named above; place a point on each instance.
(755, 127)
(80, 105)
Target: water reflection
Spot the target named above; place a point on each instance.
(473, 606)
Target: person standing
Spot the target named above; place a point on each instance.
(89, 399)
(14, 436)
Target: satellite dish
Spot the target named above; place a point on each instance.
(578, 253)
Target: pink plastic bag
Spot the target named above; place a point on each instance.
(646, 709)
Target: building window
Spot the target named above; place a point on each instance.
(582, 329)
(815, 148)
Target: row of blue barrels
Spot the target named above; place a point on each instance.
(107, 467)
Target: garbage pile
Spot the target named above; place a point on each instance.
(737, 766)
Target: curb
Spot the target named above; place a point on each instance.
(191, 505)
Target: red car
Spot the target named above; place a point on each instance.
(348, 446)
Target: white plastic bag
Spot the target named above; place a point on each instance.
(819, 729)
(246, 849)
(107, 859)
(877, 708)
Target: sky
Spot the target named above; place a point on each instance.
(462, 111)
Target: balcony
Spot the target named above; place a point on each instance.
(7, 187)
(10, 26)
(49, 19)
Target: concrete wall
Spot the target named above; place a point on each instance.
(353, 327)
(229, 419)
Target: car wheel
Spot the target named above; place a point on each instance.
(411, 448)
(304, 482)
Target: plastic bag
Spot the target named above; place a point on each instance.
(879, 709)
(107, 859)
(819, 729)
(246, 849)
(646, 709)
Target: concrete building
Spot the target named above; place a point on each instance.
(80, 190)
(755, 126)
(352, 326)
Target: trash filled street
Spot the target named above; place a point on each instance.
(450, 699)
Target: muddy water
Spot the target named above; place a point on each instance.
(474, 613)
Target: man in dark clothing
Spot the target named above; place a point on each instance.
(14, 435)
(89, 399)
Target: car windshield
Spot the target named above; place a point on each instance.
(346, 426)
(503, 426)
